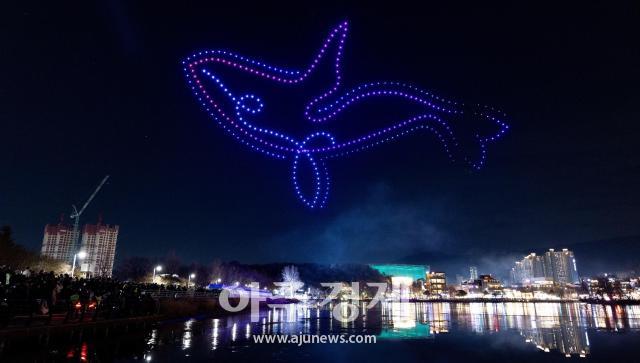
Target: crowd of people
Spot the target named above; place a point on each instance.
(27, 293)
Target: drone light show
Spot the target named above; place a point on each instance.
(236, 108)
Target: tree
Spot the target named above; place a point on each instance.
(135, 269)
(16, 256)
(291, 278)
(172, 263)
(6, 238)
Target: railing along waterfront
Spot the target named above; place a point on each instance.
(191, 294)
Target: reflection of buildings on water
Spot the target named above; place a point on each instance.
(632, 315)
(567, 339)
(402, 320)
(614, 318)
(413, 320)
(438, 315)
(562, 332)
(550, 326)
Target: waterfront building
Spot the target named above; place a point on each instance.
(610, 287)
(530, 270)
(482, 285)
(402, 277)
(471, 287)
(473, 273)
(436, 283)
(99, 242)
(489, 283)
(558, 267)
(58, 242)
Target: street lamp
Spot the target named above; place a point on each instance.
(157, 268)
(81, 255)
(189, 279)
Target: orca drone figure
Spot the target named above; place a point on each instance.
(234, 112)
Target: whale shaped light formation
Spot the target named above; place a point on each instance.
(234, 111)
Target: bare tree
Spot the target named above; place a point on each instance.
(135, 269)
(291, 278)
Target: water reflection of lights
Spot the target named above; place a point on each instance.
(151, 343)
(186, 335)
(403, 320)
(291, 311)
(214, 334)
(152, 338)
(437, 315)
(234, 331)
(83, 352)
(632, 312)
(551, 327)
(609, 315)
(345, 313)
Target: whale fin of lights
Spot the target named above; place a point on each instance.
(234, 111)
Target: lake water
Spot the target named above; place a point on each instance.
(404, 332)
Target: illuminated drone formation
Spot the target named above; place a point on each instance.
(234, 110)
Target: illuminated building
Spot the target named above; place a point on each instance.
(436, 283)
(489, 283)
(529, 270)
(558, 267)
(610, 287)
(99, 242)
(482, 285)
(58, 242)
(517, 273)
(473, 273)
(402, 277)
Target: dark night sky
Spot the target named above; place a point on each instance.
(88, 90)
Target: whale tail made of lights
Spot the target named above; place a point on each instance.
(308, 154)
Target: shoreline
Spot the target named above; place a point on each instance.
(213, 311)
(560, 301)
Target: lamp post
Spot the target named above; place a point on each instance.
(189, 279)
(157, 268)
(81, 255)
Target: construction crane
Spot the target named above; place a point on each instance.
(75, 215)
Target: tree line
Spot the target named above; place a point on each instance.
(140, 269)
(16, 256)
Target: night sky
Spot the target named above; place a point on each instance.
(93, 89)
